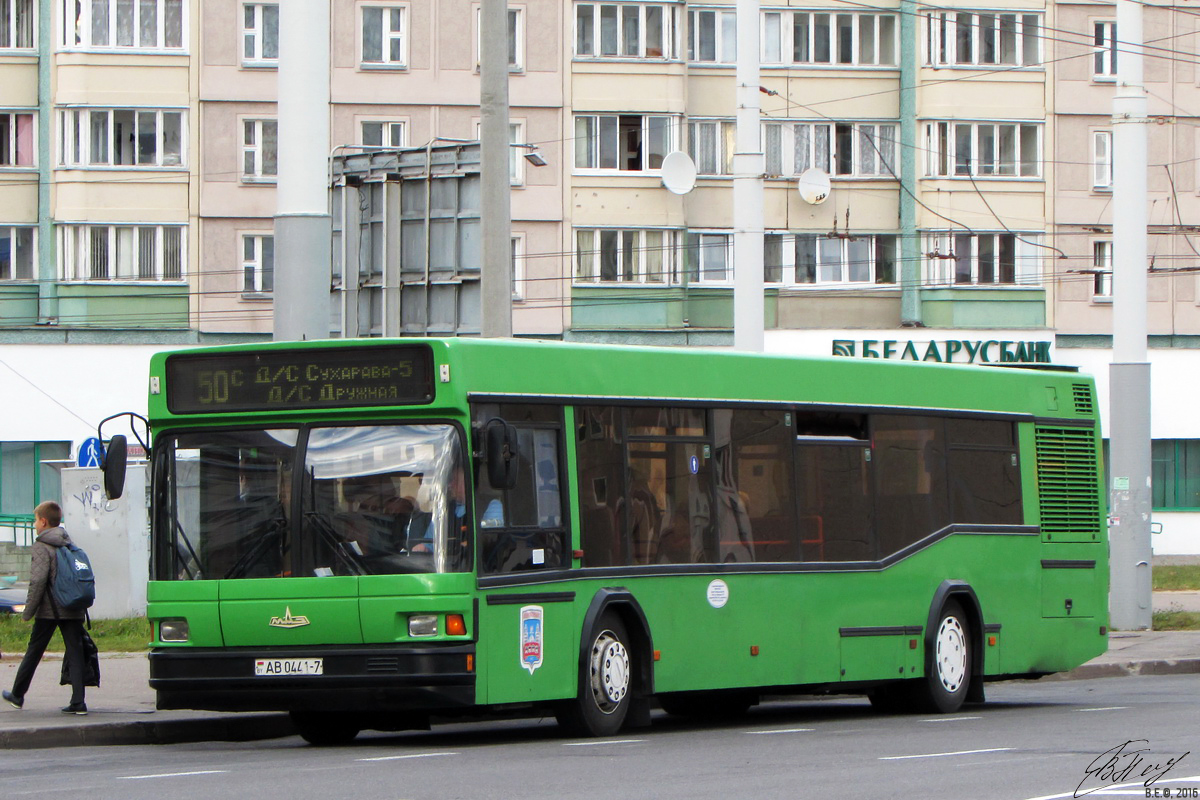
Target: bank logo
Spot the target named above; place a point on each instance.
(843, 347)
(532, 637)
(288, 621)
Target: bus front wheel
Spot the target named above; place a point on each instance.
(325, 729)
(602, 702)
(948, 662)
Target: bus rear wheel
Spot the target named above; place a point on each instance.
(947, 662)
(602, 702)
(325, 729)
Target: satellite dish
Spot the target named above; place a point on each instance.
(678, 172)
(814, 186)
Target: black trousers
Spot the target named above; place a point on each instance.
(43, 629)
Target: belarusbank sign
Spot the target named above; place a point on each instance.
(949, 351)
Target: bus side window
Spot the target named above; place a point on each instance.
(755, 486)
(912, 496)
(985, 475)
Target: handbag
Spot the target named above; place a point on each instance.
(91, 664)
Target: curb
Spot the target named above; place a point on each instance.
(1121, 669)
(241, 728)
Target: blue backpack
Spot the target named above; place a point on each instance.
(74, 587)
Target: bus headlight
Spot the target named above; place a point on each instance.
(423, 625)
(173, 630)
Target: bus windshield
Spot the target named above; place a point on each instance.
(361, 500)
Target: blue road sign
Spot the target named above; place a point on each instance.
(91, 453)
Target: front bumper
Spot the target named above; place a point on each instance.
(383, 678)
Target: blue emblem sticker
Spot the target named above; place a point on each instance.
(694, 464)
(532, 637)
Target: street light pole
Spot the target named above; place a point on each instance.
(496, 214)
(1129, 374)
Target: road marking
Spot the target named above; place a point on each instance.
(949, 719)
(413, 755)
(1114, 791)
(609, 741)
(172, 774)
(1107, 708)
(941, 755)
(781, 730)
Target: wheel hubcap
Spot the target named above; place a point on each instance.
(609, 672)
(951, 654)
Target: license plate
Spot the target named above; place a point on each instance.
(277, 667)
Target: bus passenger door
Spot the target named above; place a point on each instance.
(528, 648)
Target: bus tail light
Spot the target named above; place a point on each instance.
(470, 662)
(455, 625)
(173, 630)
(423, 625)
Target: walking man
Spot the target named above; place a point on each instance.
(42, 609)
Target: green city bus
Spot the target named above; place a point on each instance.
(374, 533)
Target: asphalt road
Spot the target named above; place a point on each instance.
(1039, 740)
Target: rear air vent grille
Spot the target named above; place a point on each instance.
(1068, 490)
(1082, 394)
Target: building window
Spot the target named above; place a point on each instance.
(17, 252)
(623, 256)
(16, 139)
(1104, 50)
(383, 133)
(712, 36)
(965, 38)
(258, 263)
(1102, 270)
(708, 257)
(121, 252)
(384, 36)
(1174, 474)
(846, 149)
(625, 142)
(17, 23)
(121, 137)
(803, 259)
(141, 24)
(982, 259)
(25, 480)
(1102, 162)
(260, 150)
(711, 144)
(516, 155)
(845, 39)
(983, 149)
(516, 39)
(260, 34)
(625, 30)
(517, 265)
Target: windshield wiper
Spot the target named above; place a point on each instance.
(269, 534)
(346, 556)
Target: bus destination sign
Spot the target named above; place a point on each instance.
(335, 377)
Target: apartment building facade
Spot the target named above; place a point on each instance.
(965, 220)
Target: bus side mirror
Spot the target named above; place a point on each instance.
(114, 467)
(501, 439)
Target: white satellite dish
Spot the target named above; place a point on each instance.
(814, 186)
(678, 172)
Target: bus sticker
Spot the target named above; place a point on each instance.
(532, 636)
(718, 593)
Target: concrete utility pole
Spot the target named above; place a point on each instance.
(1129, 373)
(303, 232)
(496, 277)
(748, 168)
(908, 271)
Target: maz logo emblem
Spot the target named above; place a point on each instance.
(288, 621)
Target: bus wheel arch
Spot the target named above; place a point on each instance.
(954, 618)
(614, 626)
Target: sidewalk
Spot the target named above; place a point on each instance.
(122, 709)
